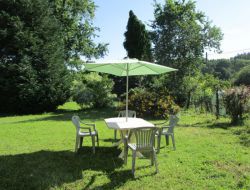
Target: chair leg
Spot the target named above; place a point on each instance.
(172, 136)
(133, 162)
(77, 143)
(155, 160)
(152, 158)
(125, 156)
(97, 139)
(93, 143)
(167, 139)
(158, 143)
(81, 140)
(115, 134)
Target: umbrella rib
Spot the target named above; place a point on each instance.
(104, 64)
(142, 64)
(136, 67)
(151, 69)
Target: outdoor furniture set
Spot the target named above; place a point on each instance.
(144, 134)
(127, 123)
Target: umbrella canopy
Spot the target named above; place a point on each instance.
(128, 67)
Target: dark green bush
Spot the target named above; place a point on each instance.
(33, 76)
(93, 90)
(237, 103)
(151, 104)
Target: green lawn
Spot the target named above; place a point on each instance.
(37, 152)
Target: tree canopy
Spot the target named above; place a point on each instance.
(226, 69)
(180, 35)
(75, 17)
(37, 39)
(243, 76)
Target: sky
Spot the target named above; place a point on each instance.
(231, 16)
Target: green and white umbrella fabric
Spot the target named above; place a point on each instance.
(127, 67)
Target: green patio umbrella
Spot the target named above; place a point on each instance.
(127, 67)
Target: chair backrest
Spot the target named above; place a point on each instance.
(130, 113)
(144, 137)
(172, 123)
(76, 122)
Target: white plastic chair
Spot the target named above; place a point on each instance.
(123, 114)
(166, 131)
(81, 132)
(144, 143)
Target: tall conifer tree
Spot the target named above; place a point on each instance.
(137, 41)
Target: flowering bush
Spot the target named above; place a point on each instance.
(237, 102)
(152, 104)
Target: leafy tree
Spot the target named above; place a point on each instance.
(33, 76)
(238, 64)
(220, 68)
(225, 69)
(75, 17)
(243, 77)
(245, 56)
(180, 35)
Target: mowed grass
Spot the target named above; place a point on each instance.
(37, 152)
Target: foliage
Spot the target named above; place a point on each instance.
(33, 76)
(243, 77)
(225, 69)
(137, 41)
(146, 103)
(180, 35)
(237, 103)
(201, 89)
(138, 45)
(76, 17)
(245, 56)
(93, 90)
(220, 68)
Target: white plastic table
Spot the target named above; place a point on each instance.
(120, 123)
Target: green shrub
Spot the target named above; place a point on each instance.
(237, 103)
(93, 90)
(146, 103)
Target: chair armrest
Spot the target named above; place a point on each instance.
(157, 124)
(88, 128)
(158, 131)
(89, 124)
(165, 127)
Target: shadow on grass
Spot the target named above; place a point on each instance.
(111, 140)
(46, 169)
(209, 124)
(86, 114)
(223, 125)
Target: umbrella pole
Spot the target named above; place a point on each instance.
(127, 95)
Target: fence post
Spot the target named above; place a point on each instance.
(217, 105)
